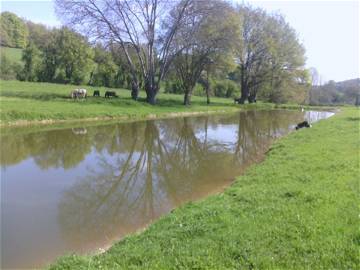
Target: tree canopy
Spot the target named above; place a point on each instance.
(13, 30)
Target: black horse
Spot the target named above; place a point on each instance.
(96, 93)
(109, 94)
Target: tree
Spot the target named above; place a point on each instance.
(133, 24)
(206, 33)
(32, 60)
(67, 57)
(39, 34)
(269, 54)
(13, 31)
(105, 69)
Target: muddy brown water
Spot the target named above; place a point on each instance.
(78, 190)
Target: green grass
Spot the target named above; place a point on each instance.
(296, 210)
(34, 102)
(47, 101)
(13, 54)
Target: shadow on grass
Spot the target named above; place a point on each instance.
(354, 119)
(174, 102)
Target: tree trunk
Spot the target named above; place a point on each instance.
(187, 98)
(244, 87)
(207, 95)
(151, 91)
(252, 98)
(151, 97)
(134, 90)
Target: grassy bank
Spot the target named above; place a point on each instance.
(25, 101)
(296, 210)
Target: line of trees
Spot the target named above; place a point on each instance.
(187, 46)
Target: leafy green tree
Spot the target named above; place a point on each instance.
(39, 34)
(74, 56)
(32, 59)
(269, 54)
(205, 35)
(8, 69)
(13, 31)
(67, 58)
(105, 71)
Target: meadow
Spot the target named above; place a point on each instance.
(48, 101)
(298, 209)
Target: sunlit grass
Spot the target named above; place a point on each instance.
(41, 101)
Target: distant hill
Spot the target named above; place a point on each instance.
(344, 92)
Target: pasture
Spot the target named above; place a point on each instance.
(48, 101)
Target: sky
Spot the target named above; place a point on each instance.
(328, 29)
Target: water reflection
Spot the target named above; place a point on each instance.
(90, 186)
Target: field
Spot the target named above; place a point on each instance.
(296, 210)
(47, 101)
(24, 103)
(13, 54)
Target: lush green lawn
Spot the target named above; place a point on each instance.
(13, 54)
(42, 101)
(296, 210)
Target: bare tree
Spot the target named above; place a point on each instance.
(135, 25)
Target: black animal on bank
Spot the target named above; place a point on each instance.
(109, 94)
(96, 93)
(303, 125)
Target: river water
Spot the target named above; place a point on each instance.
(78, 190)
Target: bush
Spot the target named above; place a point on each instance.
(174, 87)
(9, 69)
(226, 88)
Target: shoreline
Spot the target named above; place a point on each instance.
(152, 116)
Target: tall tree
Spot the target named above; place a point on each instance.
(32, 60)
(206, 34)
(132, 24)
(268, 53)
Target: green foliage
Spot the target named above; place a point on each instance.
(32, 60)
(13, 30)
(8, 69)
(13, 54)
(105, 70)
(345, 92)
(73, 56)
(39, 34)
(226, 88)
(173, 87)
(271, 58)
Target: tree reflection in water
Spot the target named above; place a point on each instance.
(148, 168)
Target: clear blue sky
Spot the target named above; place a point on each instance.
(328, 29)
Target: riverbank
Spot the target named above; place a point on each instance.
(297, 209)
(34, 104)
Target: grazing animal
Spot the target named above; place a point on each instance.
(78, 93)
(302, 125)
(96, 93)
(237, 100)
(109, 94)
